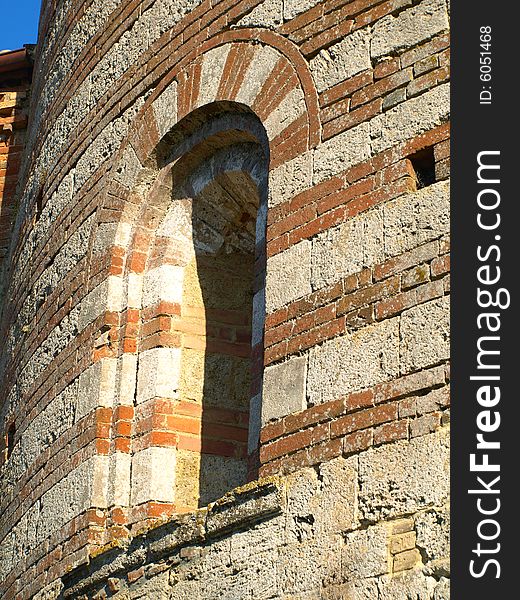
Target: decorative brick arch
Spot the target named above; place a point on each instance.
(277, 109)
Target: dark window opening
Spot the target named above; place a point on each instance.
(423, 163)
(9, 440)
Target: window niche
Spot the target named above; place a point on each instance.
(211, 241)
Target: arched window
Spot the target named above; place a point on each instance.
(203, 222)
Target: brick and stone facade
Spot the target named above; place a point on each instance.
(225, 367)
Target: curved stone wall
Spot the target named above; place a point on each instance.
(305, 126)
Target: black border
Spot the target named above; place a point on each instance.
(477, 127)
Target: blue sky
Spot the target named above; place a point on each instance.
(19, 23)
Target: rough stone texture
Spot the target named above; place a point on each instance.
(284, 389)
(404, 477)
(158, 375)
(365, 553)
(292, 8)
(425, 335)
(408, 28)
(343, 151)
(433, 533)
(289, 179)
(288, 275)
(286, 113)
(261, 66)
(409, 119)
(409, 584)
(353, 362)
(347, 249)
(416, 218)
(212, 67)
(342, 60)
(268, 14)
(150, 479)
(165, 109)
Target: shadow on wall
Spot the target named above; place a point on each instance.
(220, 370)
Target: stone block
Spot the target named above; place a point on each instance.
(158, 375)
(268, 14)
(410, 27)
(153, 475)
(285, 113)
(288, 275)
(409, 119)
(402, 542)
(365, 553)
(292, 8)
(290, 178)
(211, 73)
(347, 249)
(343, 151)
(353, 362)
(264, 61)
(433, 533)
(284, 389)
(342, 60)
(425, 335)
(165, 109)
(416, 218)
(406, 560)
(404, 477)
(407, 584)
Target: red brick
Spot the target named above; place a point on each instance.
(357, 442)
(390, 432)
(368, 295)
(351, 119)
(386, 67)
(440, 265)
(363, 419)
(293, 442)
(345, 88)
(324, 451)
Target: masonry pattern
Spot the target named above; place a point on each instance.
(225, 369)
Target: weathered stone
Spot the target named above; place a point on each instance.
(442, 590)
(347, 249)
(212, 68)
(284, 389)
(292, 8)
(353, 362)
(408, 119)
(408, 28)
(263, 62)
(414, 219)
(285, 113)
(267, 14)
(288, 275)
(150, 480)
(433, 533)
(404, 477)
(290, 178)
(403, 541)
(165, 109)
(407, 584)
(342, 151)
(365, 553)
(406, 560)
(425, 335)
(158, 375)
(342, 60)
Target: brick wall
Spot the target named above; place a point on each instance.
(348, 341)
(15, 78)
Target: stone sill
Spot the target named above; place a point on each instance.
(237, 510)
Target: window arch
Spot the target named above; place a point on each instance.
(199, 372)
